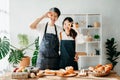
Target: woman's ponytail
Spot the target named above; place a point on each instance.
(73, 33)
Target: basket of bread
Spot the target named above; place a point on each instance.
(67, 72)
(100, 70)
(27, 72)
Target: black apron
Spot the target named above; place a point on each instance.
(48, 57)
(67, 48)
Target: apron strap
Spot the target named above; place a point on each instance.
(45, 28)
(55, 29)
(60, 35)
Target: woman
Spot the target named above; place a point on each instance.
(48, 57)
(67, 46)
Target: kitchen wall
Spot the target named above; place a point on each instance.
(24, 12)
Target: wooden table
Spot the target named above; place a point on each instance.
(112, 76)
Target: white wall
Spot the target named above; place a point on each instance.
(24, 12)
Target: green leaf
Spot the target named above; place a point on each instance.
(111, 51)
(4, 47)
(117, 54)
(36, 51)
(15, 56)
(23, 40)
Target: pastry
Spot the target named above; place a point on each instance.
(100, 69)
(50, 72)
(20, 69)
(32, 75)
(91, 68)
(69, 70)
(98, 66)
(40, 73)
(109, 65)
(61, 72)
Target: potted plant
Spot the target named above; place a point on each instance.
(112, 53)
(17, 55)
(96, 37)
(4, 47)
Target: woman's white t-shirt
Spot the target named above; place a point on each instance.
(50, 29)
(65, 37)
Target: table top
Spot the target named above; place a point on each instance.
(112, 76)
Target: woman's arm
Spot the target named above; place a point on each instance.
(76, 54)
(35, 23)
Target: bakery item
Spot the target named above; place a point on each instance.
(109, 65)
(69, 70)
(82, 73)
(91, 68)
(32, 75)
(101, 70)
(40, 73)
(97, 66)
(61, 72)
(49, 72)
(20, 69)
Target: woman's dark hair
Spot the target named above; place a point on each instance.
(73, 33)
(54, 9)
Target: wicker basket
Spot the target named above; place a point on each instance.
(99, 74)
(20, 75)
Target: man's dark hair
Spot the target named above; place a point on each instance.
(54, 9)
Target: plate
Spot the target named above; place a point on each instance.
(49, 74)
(70, 75)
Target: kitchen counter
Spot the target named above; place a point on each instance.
(112, 76)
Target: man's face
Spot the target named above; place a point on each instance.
(53, 16)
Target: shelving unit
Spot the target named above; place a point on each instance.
(89, 46)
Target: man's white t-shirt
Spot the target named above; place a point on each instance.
(50, 29)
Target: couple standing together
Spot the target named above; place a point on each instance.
(50, 35)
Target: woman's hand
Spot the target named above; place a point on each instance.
(76, 57)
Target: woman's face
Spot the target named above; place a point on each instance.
(53, 17)
(67, 25)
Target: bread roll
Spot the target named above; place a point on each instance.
(69, 70)
(91, 68)
(47, 71)
(61, 72)
(109, 65)
(107, 69)
(98, 66)
(100, 69)
(40, 73)
(20, 69)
